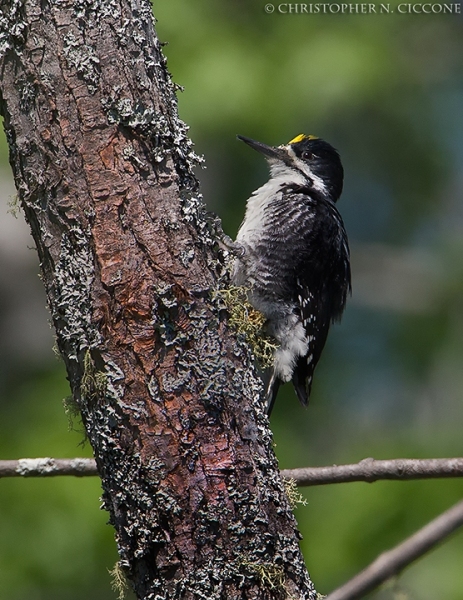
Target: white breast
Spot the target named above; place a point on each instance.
(253, 219)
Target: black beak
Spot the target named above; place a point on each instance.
(269, 151)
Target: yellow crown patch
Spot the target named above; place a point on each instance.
(301, 137)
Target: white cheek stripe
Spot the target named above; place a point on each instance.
(317, 181)
(305, 168)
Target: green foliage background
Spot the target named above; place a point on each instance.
(387, 91)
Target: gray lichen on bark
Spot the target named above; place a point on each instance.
(168, 394)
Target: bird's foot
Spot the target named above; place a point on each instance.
(229, 245)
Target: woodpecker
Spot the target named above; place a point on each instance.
(293, 256)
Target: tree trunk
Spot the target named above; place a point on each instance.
(168, 395)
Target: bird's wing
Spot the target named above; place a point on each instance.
(315, 316)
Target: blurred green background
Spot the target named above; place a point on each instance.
(387, 91)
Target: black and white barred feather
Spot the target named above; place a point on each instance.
(295, 258)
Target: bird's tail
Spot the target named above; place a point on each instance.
(271, 390)
(302, 380)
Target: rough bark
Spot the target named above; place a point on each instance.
(168, 396)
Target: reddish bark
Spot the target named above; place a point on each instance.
(168, 395)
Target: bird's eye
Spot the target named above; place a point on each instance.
(306, 155)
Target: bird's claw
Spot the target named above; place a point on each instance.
(234, 247)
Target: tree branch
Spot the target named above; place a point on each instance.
(368, 470)
(48, 467)
(394, 561)
(371, 470)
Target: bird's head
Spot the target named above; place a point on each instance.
(306, 158)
